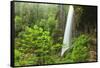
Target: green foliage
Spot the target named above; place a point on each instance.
(36, 42)
(34, 26)
(18, 21)
(80, 50)
(17, 57)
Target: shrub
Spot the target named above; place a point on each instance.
(80, 52)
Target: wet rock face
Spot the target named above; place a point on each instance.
(92, 49)
(85, 20)
(92, 56)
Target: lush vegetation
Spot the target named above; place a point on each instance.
(39, 36)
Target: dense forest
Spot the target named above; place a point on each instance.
(39, 33)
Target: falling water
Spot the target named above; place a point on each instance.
(68, 30)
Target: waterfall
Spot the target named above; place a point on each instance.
(68, 30)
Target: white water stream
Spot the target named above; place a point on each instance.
(68, 30)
